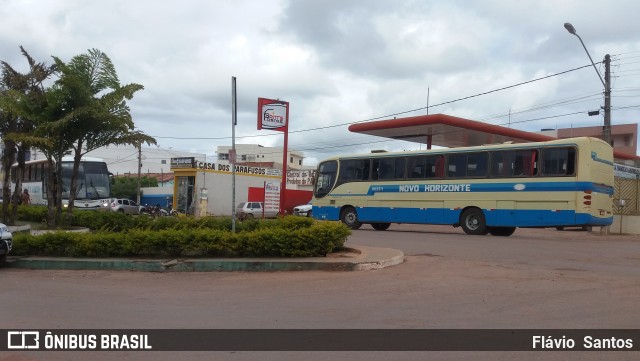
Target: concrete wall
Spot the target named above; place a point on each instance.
(630, 225)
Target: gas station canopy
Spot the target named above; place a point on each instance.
(445, 131)
(449, 131)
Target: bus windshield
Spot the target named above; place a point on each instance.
(326, 178)
(92, 182)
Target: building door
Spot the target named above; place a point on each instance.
(185, 195)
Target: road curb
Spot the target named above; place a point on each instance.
(358, 258)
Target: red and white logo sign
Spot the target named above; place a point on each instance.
(272, 114)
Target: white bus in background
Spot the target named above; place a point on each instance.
(92, 186)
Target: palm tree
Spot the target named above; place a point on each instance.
(22, 97)
(95, 109)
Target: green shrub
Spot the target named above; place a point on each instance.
(32, 213)
(175, 237)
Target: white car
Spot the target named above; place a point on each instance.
(6, 241)
(303, 210)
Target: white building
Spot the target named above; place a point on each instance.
(257, 155)
(256, 165)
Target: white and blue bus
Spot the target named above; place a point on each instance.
(93, 181)
(485, 189)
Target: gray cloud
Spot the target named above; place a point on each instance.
(339, 61)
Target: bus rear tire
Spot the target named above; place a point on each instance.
(349, 217)
(502, 231)
(380, 226)
(473, 222)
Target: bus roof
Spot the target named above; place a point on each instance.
(564, 141)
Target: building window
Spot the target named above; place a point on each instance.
(164, 161)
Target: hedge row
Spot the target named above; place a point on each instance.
(126, 236)
(118, 222)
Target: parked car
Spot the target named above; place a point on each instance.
(6, 242)
(250, 210)
(122, 205)
(303, 210)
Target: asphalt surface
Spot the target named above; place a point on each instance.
(540, 279)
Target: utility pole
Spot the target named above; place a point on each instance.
(607, 99)
(606, 130)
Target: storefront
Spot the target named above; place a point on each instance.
(206, 188)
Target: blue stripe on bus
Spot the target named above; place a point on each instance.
(494, 218)
(594, 156)
(486, 187)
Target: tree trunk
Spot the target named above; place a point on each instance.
(59, 187)
(8, 158)
(74, 179)
(51, 191)
(18, 186)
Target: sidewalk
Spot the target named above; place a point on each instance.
(355, 258)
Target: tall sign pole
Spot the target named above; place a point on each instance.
(274, 115)
(232, 160)
(607, 98)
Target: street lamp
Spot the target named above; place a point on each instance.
(606, 84)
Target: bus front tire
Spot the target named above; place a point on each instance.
(380, 226)
(473, 222)
(502, 231)
(349, 217)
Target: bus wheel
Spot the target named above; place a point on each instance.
(502, 231)
(380, 226)
(349, 217)
(473, 222)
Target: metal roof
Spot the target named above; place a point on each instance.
(449, 131)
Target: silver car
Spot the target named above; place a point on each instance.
(122, 205)
(250, 210)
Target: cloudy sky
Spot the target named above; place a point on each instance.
(341, 61)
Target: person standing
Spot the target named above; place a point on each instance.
(25, 198)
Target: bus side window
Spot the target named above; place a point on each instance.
(558, 161)
(354, 169)
(477, 164)
(534, 163)
(457, 166)
(439, 168)
(417, 167)
(399, 171)
(375, 171)
(499, 164)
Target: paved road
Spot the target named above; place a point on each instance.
(533, 279)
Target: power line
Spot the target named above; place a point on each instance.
(389, 115)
